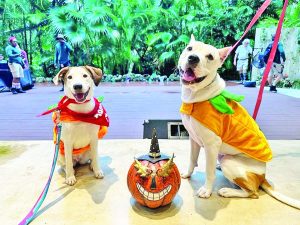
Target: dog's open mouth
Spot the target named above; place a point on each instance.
(189, 77)
(81, 97)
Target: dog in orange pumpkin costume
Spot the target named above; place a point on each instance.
(219, 124)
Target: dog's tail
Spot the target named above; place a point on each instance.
(280, 197)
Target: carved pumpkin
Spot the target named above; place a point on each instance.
(153, 179)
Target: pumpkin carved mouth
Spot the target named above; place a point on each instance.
(151, 196)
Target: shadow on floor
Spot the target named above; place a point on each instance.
(158, 213)
(208, 208)
(97, 188)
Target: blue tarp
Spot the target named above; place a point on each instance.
(6, 78)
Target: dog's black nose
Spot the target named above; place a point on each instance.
(77, 86)
(193, 59)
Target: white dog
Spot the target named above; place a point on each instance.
(222, 127)
(82, 117)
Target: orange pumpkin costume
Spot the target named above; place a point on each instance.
(236, 128)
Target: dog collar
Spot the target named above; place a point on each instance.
(63, 103)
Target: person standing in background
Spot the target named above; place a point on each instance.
(15, 64)
(276, 73)
(241, 59)
(62, 54)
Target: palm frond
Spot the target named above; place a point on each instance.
(181, 39)
(166, 56)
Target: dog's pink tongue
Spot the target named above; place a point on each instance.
(188, 75)
(79, 96)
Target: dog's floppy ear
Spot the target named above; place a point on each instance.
(60, 75)
(192, 38)
(223, 52)
(96, 74)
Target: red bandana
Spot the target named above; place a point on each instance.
(97, 116)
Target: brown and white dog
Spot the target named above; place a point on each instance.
(79, 83)
(198, 65)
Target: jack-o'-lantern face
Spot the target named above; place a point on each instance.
(153, 184)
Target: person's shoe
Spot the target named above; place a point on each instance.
(273, 89)
(62, 89)
(19, 90)
(13, 90)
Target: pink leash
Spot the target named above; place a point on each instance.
(273, 50)
(252, 22)
(270, 60)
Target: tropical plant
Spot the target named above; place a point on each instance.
(133, 36)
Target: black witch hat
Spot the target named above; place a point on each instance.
(154, 153)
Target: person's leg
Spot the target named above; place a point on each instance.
(239, 68)
(20, 74)
(13, 67)
(270, 79)
(245, 67)
(62, 88)
(14, 85)
(279, 73)
(62, 81)
(278, 78)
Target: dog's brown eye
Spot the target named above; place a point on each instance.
(189, 48)
(85, 76)
(210, 57)
(69, 77)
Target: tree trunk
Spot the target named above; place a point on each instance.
(30, 45)
(25, 47)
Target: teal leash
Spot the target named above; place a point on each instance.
(33, 212)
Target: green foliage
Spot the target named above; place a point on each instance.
(292, 16)
(174, 77)
(285, 83)
(132, 77)
(130, 37)
(296, 84)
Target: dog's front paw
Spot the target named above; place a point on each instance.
(99, 174)
(71, 180)
(204, 192)
(186, 175)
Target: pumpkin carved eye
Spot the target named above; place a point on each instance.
(142, 170)
(166, 169)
